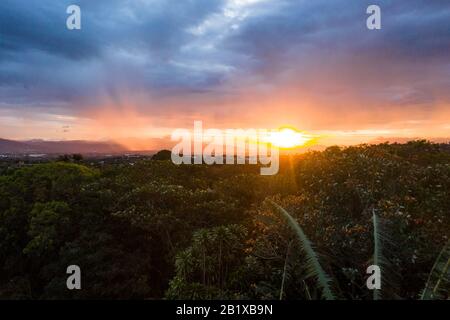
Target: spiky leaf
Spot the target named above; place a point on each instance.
(439, 278)
(312, 263)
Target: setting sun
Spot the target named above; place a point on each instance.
(288, 138)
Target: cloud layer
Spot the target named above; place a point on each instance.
(230, 62)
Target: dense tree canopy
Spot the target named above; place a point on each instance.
(156, 230)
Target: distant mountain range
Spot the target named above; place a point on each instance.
(58, 147)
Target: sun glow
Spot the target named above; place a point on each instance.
(288, 138)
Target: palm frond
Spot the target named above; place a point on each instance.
(285, 270)
(312, 263)
(439, 278)
(383, 245)
(377, 251)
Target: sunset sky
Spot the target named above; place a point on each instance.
(139, 69)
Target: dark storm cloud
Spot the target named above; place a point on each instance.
(194, 47)
(325, 29)
(324, 47)
(40, 25)
(120, 43)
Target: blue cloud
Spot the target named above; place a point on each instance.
(197, 46)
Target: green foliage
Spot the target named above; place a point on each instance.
(377, 251)
(437, 286)
(206, 269)
(313, 265)
(48, 224)
(162, 155)
(151, 229)
(77, 157)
